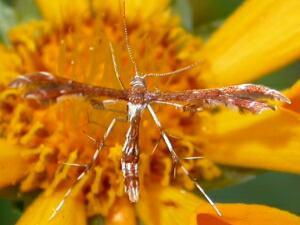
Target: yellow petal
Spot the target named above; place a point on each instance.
(13, 165)
(266, 141)
(58, 12)
(122, 212)
(241, 214)
(259, 37)
(39, 212)
(294, 94)
(167, 206)
(133, 8)
(10, 63)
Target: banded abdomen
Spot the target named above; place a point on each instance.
(131, 152)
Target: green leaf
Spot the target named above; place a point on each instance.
(205, 12)
(283, 78)
(13, 203)
(205, 30)
(13, 194)
(96, 220)
(14, 12)
(183, 8)
(8, 213)
(230, 176)
(7, 20)
(26, 10)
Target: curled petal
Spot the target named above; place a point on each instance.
(242, 214)
(40, 211)
(294, 94)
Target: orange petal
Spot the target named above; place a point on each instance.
(242, 214)
(259, 37)
(13, 165)
(40, 211)
(167, 206)
(294, 94)
(266, 141)
(122, 212)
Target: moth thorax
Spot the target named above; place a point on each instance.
(134, 109)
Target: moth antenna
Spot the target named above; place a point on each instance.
(180, 70)
(116, 68)
(129, 49)
(176, 159)
(88, 167)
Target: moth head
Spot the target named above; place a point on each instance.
(138, 81)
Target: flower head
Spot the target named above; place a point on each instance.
(45, 139)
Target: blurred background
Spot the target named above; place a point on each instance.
(200, 17)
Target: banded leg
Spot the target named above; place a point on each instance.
(87, 168)
(176, 158)
(104, 105)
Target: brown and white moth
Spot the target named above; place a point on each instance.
(48, 87)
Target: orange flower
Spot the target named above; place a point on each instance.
(72, 42)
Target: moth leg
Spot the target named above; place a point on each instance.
(87, 167)
(177, 159)
(104, 105)
(156, 145)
